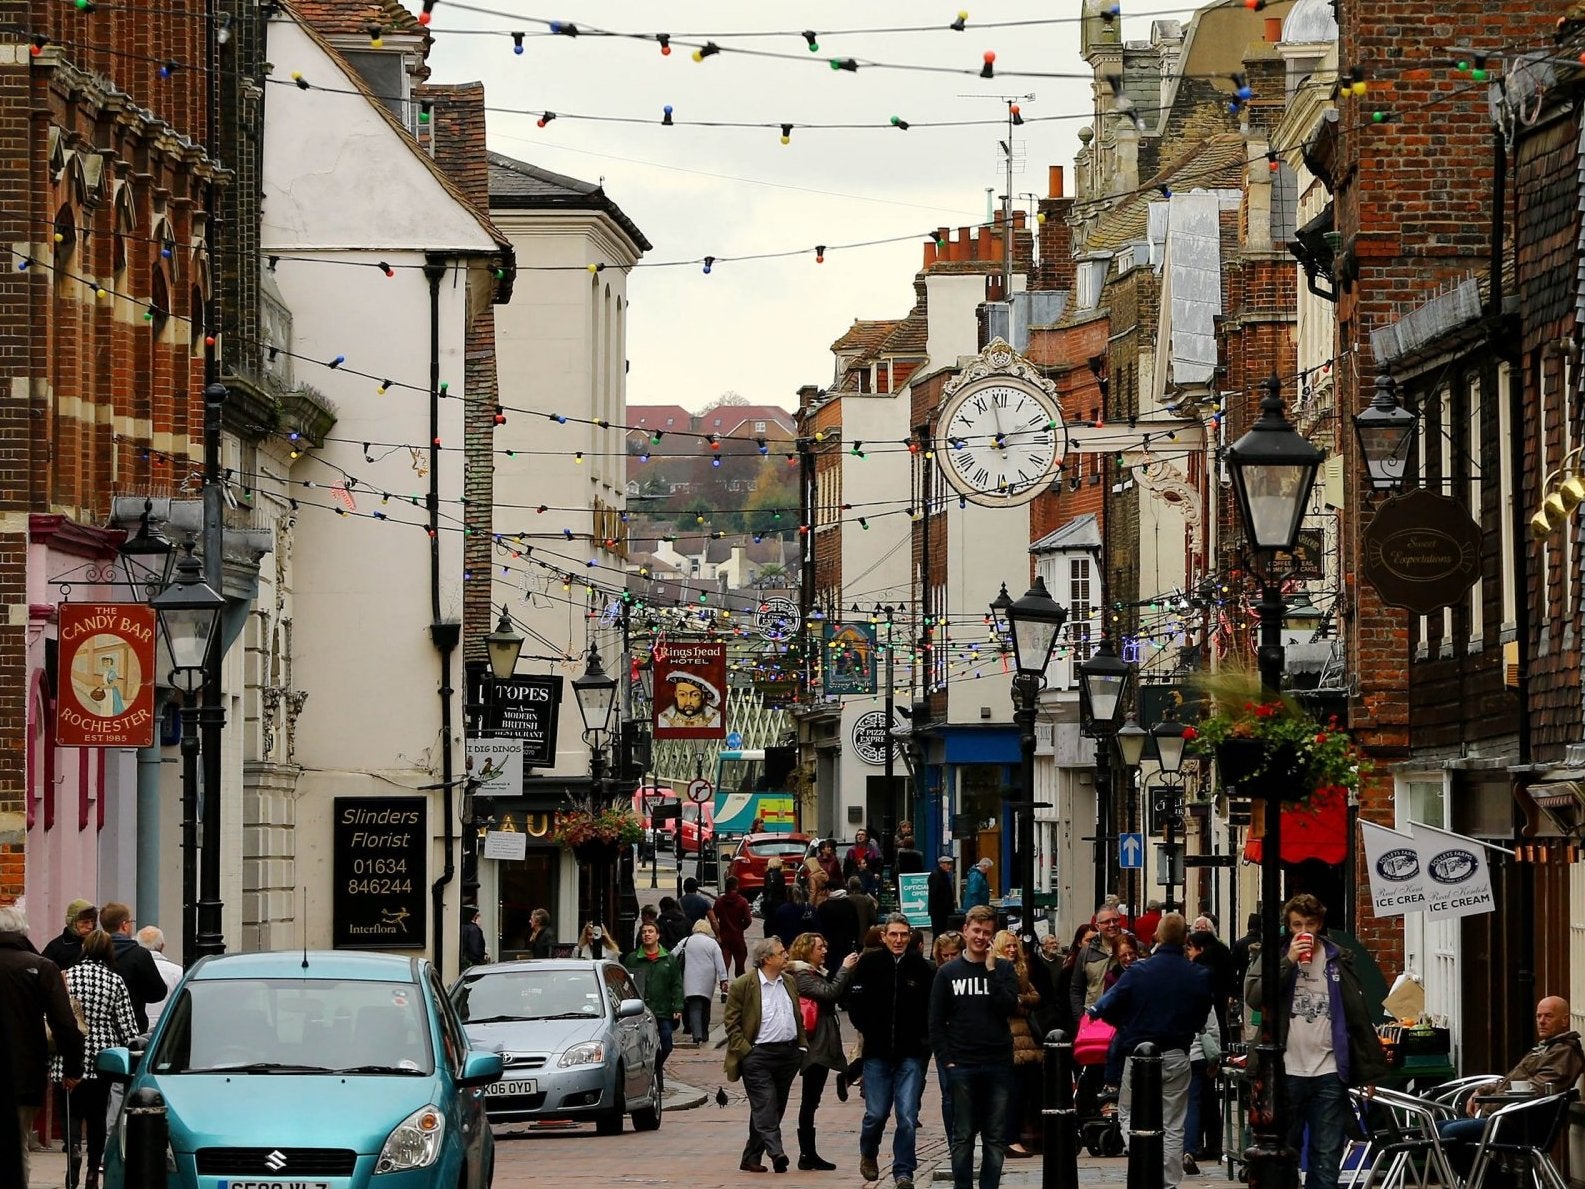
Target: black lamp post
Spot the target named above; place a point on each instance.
(1168, 734)
(1102, 680)
(1273, 470)
(595, 691)
(1131, 739)
(1386, 432)
(504, 646)
(1034, 622)
(149, 556)
(189, 617)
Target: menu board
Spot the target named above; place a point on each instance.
(381, 848)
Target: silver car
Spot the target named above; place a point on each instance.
(575, 1038)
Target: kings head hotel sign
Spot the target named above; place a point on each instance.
(106, 696)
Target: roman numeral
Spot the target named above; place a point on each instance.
(1001, 399)
(981, 477)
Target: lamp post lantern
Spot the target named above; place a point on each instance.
(1386, 432)
(189, 618)
(1034, 621)
(1273, 469)
(504, 646)
(1102, 681)
(1131, 739)
(1170, 742)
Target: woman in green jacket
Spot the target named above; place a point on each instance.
(660, 983)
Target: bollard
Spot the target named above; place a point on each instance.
(1146, 1166)
(1059, 1165)
(147, 1140)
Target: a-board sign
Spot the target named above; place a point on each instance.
(380, 870)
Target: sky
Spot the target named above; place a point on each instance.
(764, 328)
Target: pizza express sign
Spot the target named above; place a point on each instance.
(1422, 551)
(870, 737)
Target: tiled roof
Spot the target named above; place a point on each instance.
(517, 185)
(342, 18)
(907, 337)
(1219, 161)
(865, 335)
(662, 417)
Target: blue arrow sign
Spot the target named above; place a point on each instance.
(734, 742)
(1131, 851)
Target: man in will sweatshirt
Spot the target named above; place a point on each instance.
(971, 1001)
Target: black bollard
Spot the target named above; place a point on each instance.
(1146, 1169)
(1059, 1165)
(147, 1140)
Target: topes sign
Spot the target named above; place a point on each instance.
(1422, 551)
(871, 736)
(381, 848)
(525, 708)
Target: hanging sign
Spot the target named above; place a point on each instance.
(496, 767)
(526, 707)
(106, 696)
(1426, 870)
(1422, 551)
(849, 663)
(870, 736)
(690, 691)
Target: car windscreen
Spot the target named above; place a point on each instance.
(766, 849)
(289, 1025)
(528, 994)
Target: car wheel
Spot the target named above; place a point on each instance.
(648, 1118)
(610, 1122)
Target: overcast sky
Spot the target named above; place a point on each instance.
(763, 328)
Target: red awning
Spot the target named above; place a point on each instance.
(1316, 829)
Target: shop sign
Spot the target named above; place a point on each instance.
(526, 708)
(1422, 551)
(849, 663)
(690, 691)
(380, 871)
(106, 696)
(871, 737)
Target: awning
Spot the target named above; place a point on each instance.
(1315, 829)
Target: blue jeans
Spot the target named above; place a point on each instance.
(892, 1087)
(663, 1023)
(979, 1106)
(1320, 1104)
(1193, 1123)
(946, 1100)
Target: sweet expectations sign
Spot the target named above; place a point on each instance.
(107, 675)
(1422, 551)
(380, 870)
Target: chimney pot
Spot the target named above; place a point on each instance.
(1273, 29)
(984, 252)
(965, 245)
(1054, 181)
(930, 252)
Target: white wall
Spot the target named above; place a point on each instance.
(341, 183)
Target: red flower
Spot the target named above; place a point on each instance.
(1190, 734)
(1321, 738)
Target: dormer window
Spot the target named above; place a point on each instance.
(385, 73)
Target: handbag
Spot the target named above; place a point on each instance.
(810, 1010)
(1093, 1041)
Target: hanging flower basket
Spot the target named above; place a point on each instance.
(1274, 747)
(606, 830)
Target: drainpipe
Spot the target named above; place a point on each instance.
(445, 634)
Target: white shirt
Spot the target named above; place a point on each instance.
(776, 1022)
(172, 973)
(1309, 1053)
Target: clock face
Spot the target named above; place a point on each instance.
(1000, 442)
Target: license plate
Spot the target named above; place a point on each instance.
(512, 1086)
(274, 1185)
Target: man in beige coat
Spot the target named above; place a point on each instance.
(765, 1045)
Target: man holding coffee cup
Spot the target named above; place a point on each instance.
(1330, 1041)
(1554, 1065)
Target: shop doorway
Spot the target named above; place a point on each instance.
(525, 885)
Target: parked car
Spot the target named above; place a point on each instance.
(756, 849)
(663, 835)
(574, 1036)
(315, 1068)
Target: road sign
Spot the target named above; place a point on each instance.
(734, 741)
(1131, 851)
(700, 791)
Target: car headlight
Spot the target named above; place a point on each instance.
(591, 1053)
(415, 1143)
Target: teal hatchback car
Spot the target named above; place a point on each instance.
(320, 1070)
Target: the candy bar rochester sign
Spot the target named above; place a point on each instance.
(1422, 551)
(107, 675)
(381, 848)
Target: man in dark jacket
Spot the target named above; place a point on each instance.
(1164, 999)
(65, 950)
(838, 922)
(732, 917)
(1329, 1041)
(942, 895)
(695, 904)
(673, 923)
(31, 992)
(889, 1003)
(134, 964)
(971, 1001)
